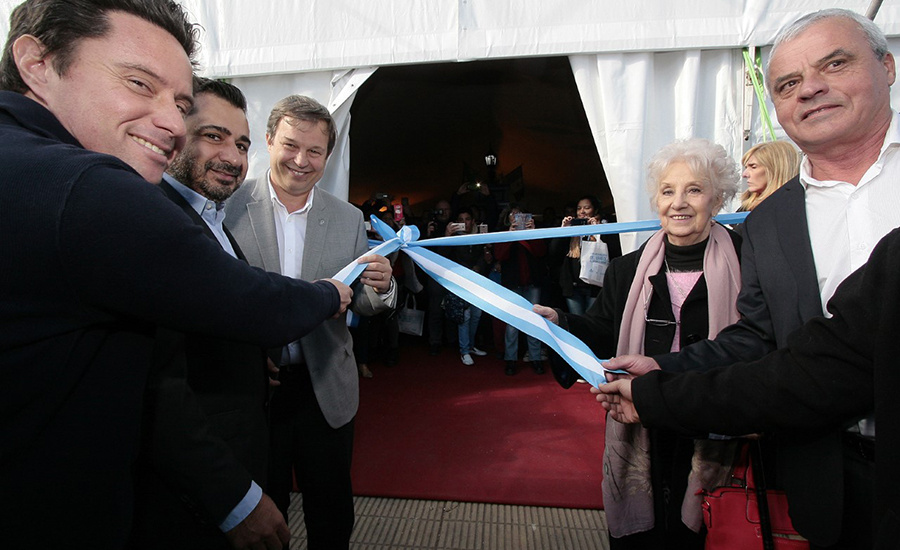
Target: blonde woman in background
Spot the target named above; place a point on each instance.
(767, 166)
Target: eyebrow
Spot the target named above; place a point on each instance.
(840, 52)
(221, 129)
(188, 98)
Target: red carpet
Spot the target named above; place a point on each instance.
(433, 428)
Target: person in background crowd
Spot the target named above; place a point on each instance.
(436, 323)
(679, 287)
(580, 295)
(523, 271)
(471, 256)
(767, 166)
(829, 76)
(477, 196)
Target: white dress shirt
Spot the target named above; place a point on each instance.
(212, 212)
(290, 228)
(846, 221)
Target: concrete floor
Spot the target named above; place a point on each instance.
(386, 523)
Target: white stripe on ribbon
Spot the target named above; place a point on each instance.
(495, 299)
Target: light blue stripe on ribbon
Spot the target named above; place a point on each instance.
(495, 299)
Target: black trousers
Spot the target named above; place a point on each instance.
(857, 529)
(320, 456)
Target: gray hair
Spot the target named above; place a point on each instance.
(708, 161)
(874, 35)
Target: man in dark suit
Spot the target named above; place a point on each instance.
(95, 258)
(830, 371)
(829, 76)
(204, 461)
(287, 225)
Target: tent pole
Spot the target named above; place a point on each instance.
(873, 9)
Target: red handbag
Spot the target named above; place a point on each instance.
(734, 518)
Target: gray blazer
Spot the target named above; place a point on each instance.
(334, 237)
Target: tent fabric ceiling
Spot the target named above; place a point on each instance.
(243, 38)
(271, 37)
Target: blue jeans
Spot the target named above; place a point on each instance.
(580, 300)
(533, 295)
(468, 328)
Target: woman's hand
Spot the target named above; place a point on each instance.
(567, 221)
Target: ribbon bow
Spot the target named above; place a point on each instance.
(495, 299)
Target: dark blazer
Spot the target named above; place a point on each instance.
(780, 292)
(94, 258)
(828, 372)
(205, 435)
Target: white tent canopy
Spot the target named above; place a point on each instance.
(648, 72)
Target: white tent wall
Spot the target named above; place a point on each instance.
(334, 89)
(648, 72)
(630, 119)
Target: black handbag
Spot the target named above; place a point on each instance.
(455, 308)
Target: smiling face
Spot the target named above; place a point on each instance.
(213, 161)
(686, 205)
(585, 209)
(297, 155)
(125, 94)
(756, 175)
(829, 89)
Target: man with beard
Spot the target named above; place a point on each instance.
(205, 435)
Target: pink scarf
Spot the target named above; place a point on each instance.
(627, 492)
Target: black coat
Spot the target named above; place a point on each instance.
(94, 259)
(205, 432)
(599, 326)
(828, 372)
(780, 292)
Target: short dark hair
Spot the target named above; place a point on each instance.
(595, 201)
(61, 24)
(303, 108)
(221, 89)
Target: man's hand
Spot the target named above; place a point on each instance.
(377, 274)
(634, 364)
(264, 528)
(346, 295)
(547, 313)
(616, 398)
(273, 373)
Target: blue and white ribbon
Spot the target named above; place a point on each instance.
(495, 299)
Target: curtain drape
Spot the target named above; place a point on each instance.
(637, 102)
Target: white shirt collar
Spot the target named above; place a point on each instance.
(277, 201)
(891, 141)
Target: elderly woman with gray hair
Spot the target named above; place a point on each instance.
(679, 287)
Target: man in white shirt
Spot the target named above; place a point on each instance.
(284, 224)
(203, 462)
(829, 75)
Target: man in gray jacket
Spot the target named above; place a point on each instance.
(284, 224)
